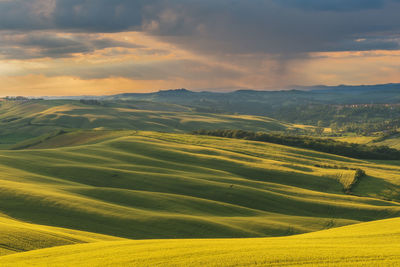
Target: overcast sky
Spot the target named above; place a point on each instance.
(69, 47)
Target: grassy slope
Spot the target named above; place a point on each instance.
(64, 138)
(17, 236)
(22, 120)
(393, 141)
(153, 185)
(356, 139)
(367, 244)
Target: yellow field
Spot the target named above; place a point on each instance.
(16, 236)
(367, 244)
(356, 139)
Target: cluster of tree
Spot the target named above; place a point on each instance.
(387, 135)
(326, 145)
(368, 128)
(365, 119)
(359, 173)
(94, 102)
(327, 166)
(104, 103)
(357, 176)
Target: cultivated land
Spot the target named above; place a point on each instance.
(76, 190)
(149, 185)
(367, 244)
(17, 236)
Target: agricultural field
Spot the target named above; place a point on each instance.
(81, 182)
(366, 244)
(17, 236)
(104, 187)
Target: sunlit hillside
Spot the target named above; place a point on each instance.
(17, 236)
(182, 186)
(367, 244)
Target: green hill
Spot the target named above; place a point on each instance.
(155, 185)
(21, 120)
(393, 140)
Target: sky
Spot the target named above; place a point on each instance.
(101, 47)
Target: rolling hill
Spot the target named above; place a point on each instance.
(17, 236)
(102, 187)
(21, 120)
(367, 244)
(392, 141)
(159, 185)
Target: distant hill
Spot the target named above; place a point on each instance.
(271, 103)
(334, 94)
(342, 94)
(365, 109)
(395, 87)
(21, 120)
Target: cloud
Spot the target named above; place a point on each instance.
(26, 15)
(99, 15)
(224, 26)
(53, 45)
(266, 41)
(155, 70)
(333, 5)
(241, 27)
(367, 44)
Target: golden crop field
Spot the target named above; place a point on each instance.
(367, 244)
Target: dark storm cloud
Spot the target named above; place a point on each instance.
(270, 27)
(99, 15)
(73, 15)
(24, 14)
(39, 45)
(275, 27)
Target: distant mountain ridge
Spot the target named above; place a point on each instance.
(392, 87)
(342, 94)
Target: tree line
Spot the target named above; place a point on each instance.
(360, 151)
